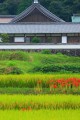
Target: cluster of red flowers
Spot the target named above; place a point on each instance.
(70, 82)
(26, 109)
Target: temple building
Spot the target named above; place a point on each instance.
(37, 21)
(76, 18)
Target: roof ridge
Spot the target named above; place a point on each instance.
(22, 13)
(41, 9)
(2, 16)
(41, 23)
(52, 13)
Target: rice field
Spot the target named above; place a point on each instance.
(30, 80)
(37, 86)
(40, 84)
(37, 102)
(40, 115)
(38, 107)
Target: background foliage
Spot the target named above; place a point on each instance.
(21, 62)
(62, 8)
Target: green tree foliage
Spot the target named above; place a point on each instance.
(35, 40)
(62, 8)
(4, 38)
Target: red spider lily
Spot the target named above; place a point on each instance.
(70, 82)
(39, 82)
(29, 108)
(68, 85)
(50, 81)
(63, 84)
(78, 81)
(53, 86)
(23, 109)
(76, 84)
(59, 81)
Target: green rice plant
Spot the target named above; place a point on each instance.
(11, 90)
(39, 102)
(41, 83)
(31, 80)
(40, 115)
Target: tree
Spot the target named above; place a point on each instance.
(62, 8)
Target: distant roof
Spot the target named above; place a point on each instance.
(35, 1)
(41, 9)
(40, 28)
(76, 15)
(76, 18)
(7, 16)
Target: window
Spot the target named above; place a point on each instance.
(27, 39)
(0, 40)
(19, 39)
(64, 39)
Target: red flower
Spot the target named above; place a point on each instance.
(59, 81)
(76, 84)
(23, 109)
(29, 108)
(63, 84)
(50, 81)
(39, 81)
(54, 86)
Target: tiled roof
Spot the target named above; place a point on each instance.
(5, 20)
(41, 9)
(7, 16)
(40, 28)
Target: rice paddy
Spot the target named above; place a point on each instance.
(36, 86)
(40, 115)
(37, 102)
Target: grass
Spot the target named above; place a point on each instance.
(36, 102)
(29, 62)
(32, 56)
(40, 115)
(25, 91)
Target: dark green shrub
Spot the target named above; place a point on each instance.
(56, 68)
(46, 68)
(35, 40)
(5, 38)
(2, 69)
(49, 40)
(13, 70)
(46, 51)
(73, 68)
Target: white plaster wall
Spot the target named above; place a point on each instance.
(26, 47)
